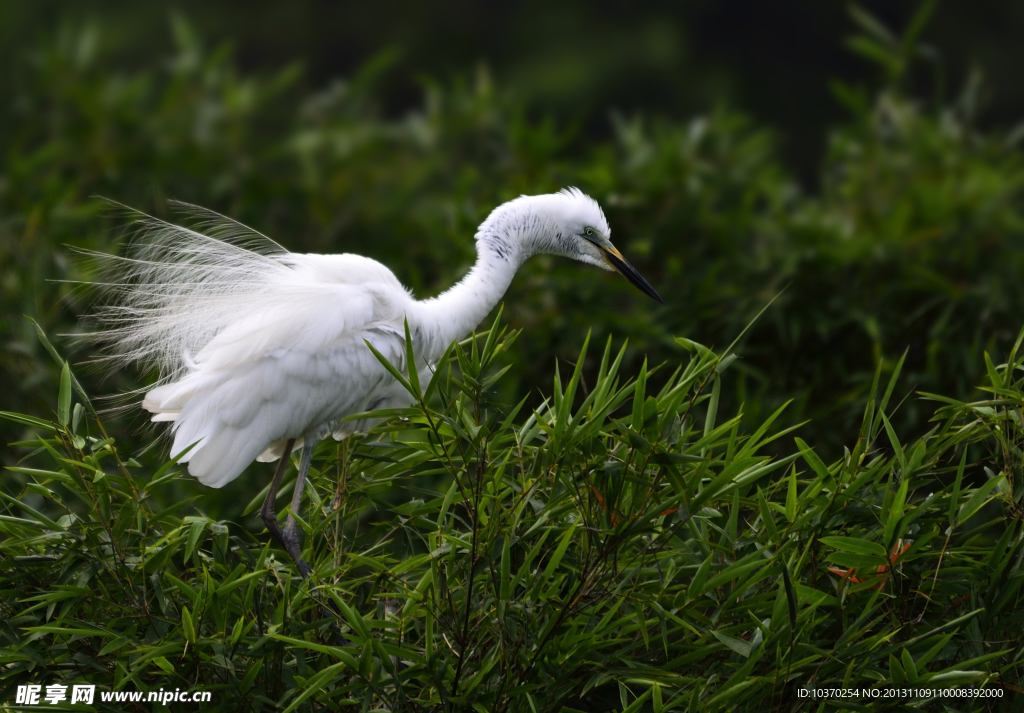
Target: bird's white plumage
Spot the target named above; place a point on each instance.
(292, 370)
(256, 345)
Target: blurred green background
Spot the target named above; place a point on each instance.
(862, 160)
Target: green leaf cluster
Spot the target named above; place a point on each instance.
(622, 546)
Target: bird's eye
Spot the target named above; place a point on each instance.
(590, 231)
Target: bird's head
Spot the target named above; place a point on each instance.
(568, 223)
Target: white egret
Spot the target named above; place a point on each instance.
(262, 351)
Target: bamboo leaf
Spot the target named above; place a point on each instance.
(716, 391)
(897, 448)
(790, 596)
(954, 500)
(978, 498)
(638, 398)
(391, 369)
(195, 532)
(64, 397)
(817, 465)
(410, 364)
(697, 587)
(791, 497)
(738, 645)
(854, 544)
(187, 626)
(61, 363)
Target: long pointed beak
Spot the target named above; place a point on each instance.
(615, 259)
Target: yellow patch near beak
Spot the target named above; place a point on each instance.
(618, 263)
(612, 252)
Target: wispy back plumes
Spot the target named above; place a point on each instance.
(178, 287)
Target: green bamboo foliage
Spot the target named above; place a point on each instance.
(626, 546)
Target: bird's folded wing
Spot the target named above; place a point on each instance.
(235, 415)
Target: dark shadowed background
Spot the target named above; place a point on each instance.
(573, 60)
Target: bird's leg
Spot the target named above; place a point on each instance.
(267, 513)
(291, 536)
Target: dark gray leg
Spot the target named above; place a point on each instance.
(268, 513)
(289, 539)
(291, 536)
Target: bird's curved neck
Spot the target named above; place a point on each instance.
(505, 240)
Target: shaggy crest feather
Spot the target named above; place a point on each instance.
(577, 195)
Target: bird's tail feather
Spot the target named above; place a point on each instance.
(220, 457)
